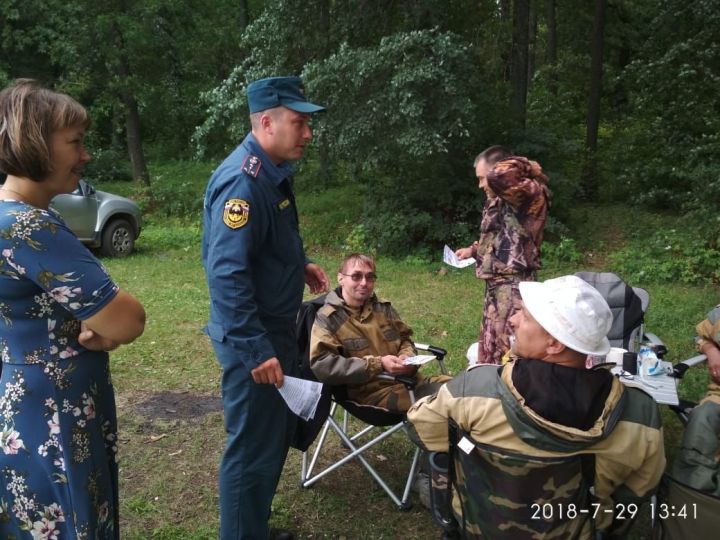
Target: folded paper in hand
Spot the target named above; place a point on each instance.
(302, 396)
(418, 360)
(450, 258)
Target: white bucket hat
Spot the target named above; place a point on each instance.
(570, 310)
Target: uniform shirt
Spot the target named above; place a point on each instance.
(252, 251)
(511, 231)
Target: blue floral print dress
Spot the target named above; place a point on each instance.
(58, 427)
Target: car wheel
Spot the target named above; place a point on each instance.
(118, 239)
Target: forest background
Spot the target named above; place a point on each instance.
(617, 100)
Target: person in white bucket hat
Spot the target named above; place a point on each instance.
(569, 310)
(544, 428)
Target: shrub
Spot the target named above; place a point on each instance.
(669, 256)
(565, 250)
(107, 165)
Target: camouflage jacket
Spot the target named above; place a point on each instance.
(519, 475)
(511, 231)
(697, 463)
(346, 344)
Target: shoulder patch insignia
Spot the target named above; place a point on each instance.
(236, 213)
(252, 165)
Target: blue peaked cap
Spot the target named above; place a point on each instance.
(279, 92)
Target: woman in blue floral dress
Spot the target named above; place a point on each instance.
(59, 314)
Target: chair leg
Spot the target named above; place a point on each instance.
(356, 452)
(411, 476)
(306, 471)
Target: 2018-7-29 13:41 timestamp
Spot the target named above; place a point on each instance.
(620, 511)
(679, 511)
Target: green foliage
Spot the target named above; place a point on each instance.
(386, 113)
(108, 165)
(403, 127)
(359, 241)
(328, 216)
(288, 35)
(168, 234)
(668, 256)
(272, 45)
(414, 90)
(670, 150)
(566, 250)
(177, 190)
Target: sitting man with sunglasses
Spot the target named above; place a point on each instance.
(357, 336)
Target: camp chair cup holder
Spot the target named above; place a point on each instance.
(440, 491)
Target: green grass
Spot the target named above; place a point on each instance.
(170, 453)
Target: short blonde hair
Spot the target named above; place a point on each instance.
(357, 258)
(29, 115)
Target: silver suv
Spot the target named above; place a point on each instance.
(100, 219)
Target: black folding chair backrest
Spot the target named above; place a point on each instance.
(308, 430)
(628, 305)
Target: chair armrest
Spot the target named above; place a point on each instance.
(437, 351)
(680, 368)
(408, 380)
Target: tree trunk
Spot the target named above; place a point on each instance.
(134, 140)
(243, 15)
(132, 113)
(590, 170)
(532, 40)
(519, 61)
(552, 46)
(504, 9)
(505, 48)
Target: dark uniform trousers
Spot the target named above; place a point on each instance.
(259, 429)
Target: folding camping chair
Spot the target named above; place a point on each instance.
(374, 419)
(628, 305)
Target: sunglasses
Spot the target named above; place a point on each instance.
(358, 276)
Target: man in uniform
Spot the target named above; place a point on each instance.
(255, 266)
(541, 429)
(511, 233)
(357, 336)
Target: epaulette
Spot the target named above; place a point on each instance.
(252, 165)
(327, 310)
